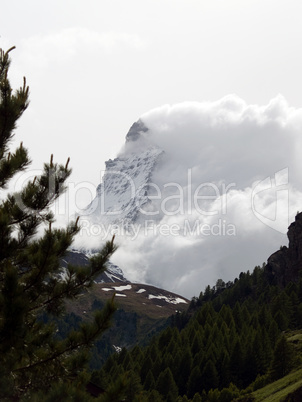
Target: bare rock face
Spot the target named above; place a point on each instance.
(285, 265)
(294, 235)
(135, 131)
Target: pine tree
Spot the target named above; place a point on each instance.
(194, 382)
(229, 394)
(149, 383)
(224, 369)
(154, 396)
(237, 363)
(238, 316)
(134, 386)
(273, 333)
(31, 357)
(166, 385)
(210, 378)
(282, 359)
(196, 344)
(197, 398)
(146, 367)
(185, 368)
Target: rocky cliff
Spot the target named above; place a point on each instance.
(286, 264)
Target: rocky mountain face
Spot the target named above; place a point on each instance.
(79, 258)
(123, 192)
(124, 189)
(286, 264)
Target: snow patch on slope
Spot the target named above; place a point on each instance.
(121, 288)
(172, 300)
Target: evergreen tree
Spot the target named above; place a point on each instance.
(149, 383)
(214, 395)
(166, 385)
(238, 316)
(210, 378)
(154, 396)
(185, 368)
(134, 387)
(194, 382)
(157, 367)
(146, 367)
(197, 398)
(273, 333)
(237, 363)
(137, 354)
(282, 359)
(229, 394)
(31, 356)
(294, 321)
(182, 399)
(224, 369)
(282, 320)
(196, 344)
(259, 351)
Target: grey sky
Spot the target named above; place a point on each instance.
(95, 67)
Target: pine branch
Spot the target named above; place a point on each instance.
(101, 323)
(78, 279)
(31, 357)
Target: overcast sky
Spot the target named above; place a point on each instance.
(95, 67)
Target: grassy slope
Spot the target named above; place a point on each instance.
(279, 390)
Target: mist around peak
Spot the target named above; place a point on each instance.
(219, 199)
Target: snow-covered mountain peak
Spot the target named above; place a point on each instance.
(124, 189)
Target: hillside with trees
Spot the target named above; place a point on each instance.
(223, 348)
(234, 339)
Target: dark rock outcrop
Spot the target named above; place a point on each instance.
(135, 131)
(285, 265)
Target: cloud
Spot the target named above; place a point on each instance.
(64, 45)
(229, 186)
(78, 80)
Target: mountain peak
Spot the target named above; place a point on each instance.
(136, 130)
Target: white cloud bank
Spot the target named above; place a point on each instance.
(230, 184)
